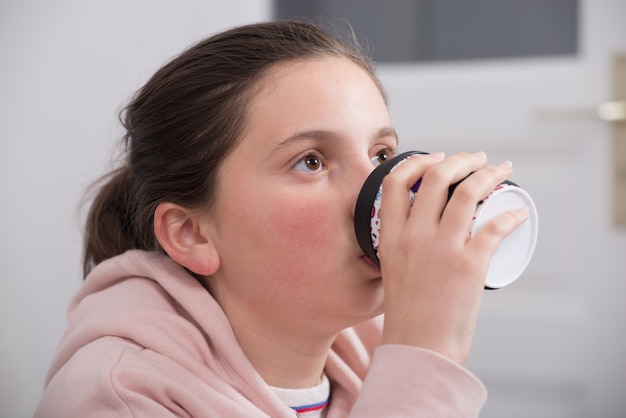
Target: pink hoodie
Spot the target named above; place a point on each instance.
(145, 339)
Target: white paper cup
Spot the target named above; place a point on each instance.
(513, 254)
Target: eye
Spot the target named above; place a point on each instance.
(382, 156)
(310, 163)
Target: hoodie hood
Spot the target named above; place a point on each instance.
(147, 298)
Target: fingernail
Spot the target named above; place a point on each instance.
(524, 210)
(481, 155)
(437, 155)
(505, 165)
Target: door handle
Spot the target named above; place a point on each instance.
(613, 111)
(610, 111)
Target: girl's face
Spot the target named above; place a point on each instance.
(283, 219)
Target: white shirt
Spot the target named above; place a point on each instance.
(307, 402)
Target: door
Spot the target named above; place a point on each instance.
(552, 344)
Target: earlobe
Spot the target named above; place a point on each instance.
(185, 239)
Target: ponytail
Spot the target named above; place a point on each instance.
(108, 229)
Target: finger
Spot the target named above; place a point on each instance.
(432, 196)
(487, 240)
(459, 212)
(395, 205)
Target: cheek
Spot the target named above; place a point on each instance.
(302, 224)
(289, 239)
(301, 248)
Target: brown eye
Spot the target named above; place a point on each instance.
(382, 156)
(310, 163)
(313, 163)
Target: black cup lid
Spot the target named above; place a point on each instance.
(365, 202)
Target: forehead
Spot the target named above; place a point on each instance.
(313, 100)
(316, 89)
(327, 94)
(307, 67)
(330, 81)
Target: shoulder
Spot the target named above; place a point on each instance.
(115, 377)
(84, 385)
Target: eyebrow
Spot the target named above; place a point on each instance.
(318, 134)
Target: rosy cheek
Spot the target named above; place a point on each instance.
(302, 225)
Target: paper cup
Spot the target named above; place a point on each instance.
(513, 254)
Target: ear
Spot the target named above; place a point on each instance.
(185, 238)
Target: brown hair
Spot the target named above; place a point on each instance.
(185, 120)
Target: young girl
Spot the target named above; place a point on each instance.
(223, 275)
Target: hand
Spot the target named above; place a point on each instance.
(433, 271)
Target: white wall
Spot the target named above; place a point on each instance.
(66, 69)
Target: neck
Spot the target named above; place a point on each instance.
(282, 360)
(287, 352)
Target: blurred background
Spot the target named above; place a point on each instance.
(536, 82)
